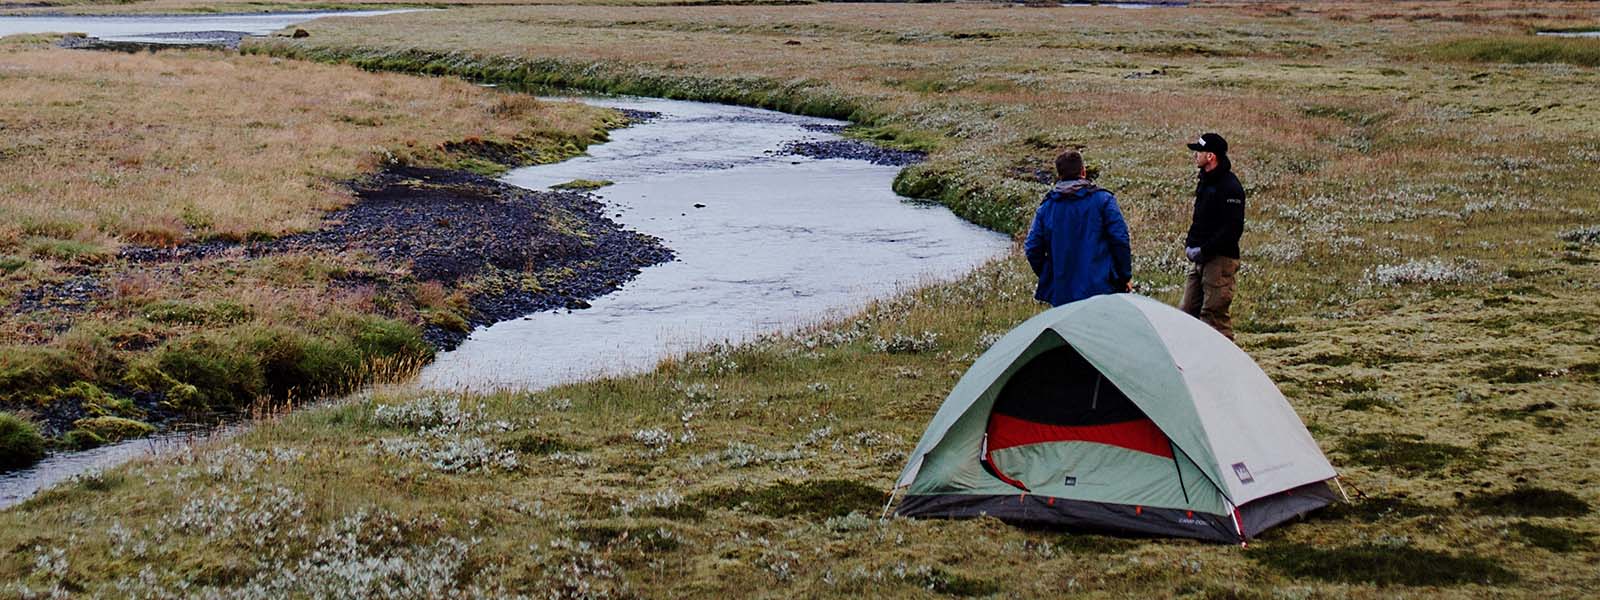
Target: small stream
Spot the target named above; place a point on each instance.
(767, 242)
(20, 485)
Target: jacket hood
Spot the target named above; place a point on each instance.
(1073, 189)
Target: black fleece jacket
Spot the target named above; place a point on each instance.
(1218, 214)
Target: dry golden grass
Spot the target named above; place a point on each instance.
(158, 149)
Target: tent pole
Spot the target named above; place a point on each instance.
(1341, 489)
(1179, 468)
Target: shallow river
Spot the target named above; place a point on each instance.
(779, 242)
(167, 28)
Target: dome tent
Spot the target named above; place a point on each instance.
(1118, 413)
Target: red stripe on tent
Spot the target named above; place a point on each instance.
(1141, 435)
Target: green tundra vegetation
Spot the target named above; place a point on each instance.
(1422, 268)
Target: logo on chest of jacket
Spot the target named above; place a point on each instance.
(1070, 480)
(1235, 201)
(1243, 473)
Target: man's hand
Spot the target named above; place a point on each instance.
(1130, 286)
(1192, 253)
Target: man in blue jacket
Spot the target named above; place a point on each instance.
(1078, 245)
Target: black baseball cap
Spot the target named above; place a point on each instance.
(1210, 142)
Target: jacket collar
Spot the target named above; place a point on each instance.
(1074, 187)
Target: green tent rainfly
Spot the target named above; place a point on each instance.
(1118, 413)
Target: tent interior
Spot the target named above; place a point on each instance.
(1059, 397)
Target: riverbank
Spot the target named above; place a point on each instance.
(157, 271)
(1430, 321)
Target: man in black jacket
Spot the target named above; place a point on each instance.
(1213, 240)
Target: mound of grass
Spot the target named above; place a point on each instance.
(1381, 564)
(1529, 501)
(20, 443)
(1518, 50)
(582, 184)
(649, 539)
(228, 369)
(114, 429)
(28, 372)
(814, 500)
(1405, 452)
(97, 402)
(1554, 539)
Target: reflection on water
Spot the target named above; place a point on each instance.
(765, 242)
(148, 28)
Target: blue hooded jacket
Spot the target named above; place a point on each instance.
(1078, 245)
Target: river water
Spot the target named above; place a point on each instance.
(168, 28)
(766, 242)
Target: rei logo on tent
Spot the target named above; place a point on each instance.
(1243, 473)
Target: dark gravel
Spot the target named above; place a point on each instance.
(452, 226)
(825, 127)
(854, 149)
(636, 116)
(72, 295)
(188, 39)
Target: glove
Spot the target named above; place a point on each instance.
(1193, 254)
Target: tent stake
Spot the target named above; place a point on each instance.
(1341, 489)
(887, 504)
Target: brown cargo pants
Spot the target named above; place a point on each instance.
(1209, 293)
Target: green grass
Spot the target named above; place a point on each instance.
(582, 184)
(1584, 52)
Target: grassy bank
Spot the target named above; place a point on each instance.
(105, 153)
(1421, 281)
